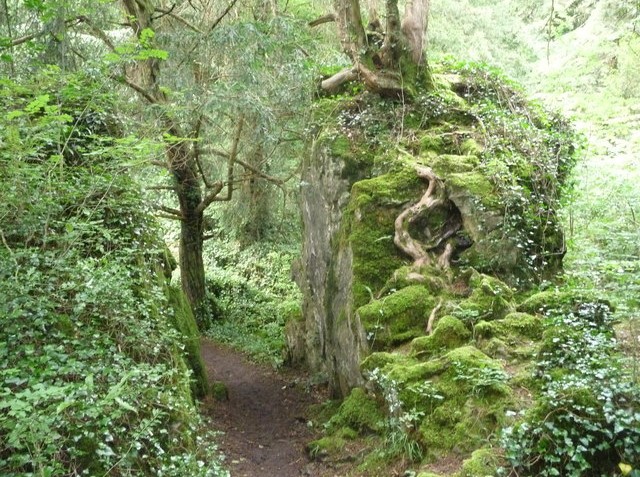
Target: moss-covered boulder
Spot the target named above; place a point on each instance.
(449, 333)
(431, 277)
(483, 462)
(490, 299)
(513, 326)
(398, 317)
(359, 411)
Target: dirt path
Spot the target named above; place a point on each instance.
(264, 424)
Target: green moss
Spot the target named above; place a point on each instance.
(185, 323)
(431, 142)
(358, 411)
(325, 447)
(477, 185)
(489, 300)
(470, 147)
(398, 317)
(559, 302)
(368, 227)
(483, 463)
(428, 474)
(449, 333)
(512, 328)
(446, 164)
(432, 278)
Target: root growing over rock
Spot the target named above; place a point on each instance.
(432, 253)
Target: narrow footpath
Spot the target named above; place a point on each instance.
(264, 419)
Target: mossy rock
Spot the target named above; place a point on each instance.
(430, 277)
(382, 359)
(513, 328)
(482, 463)
(560, 302)
(431, 142)
(471, 147)
(325, 447)
(472, 372)
(360, 412)
(460, 428)
(489, 300)
(446, 164)
(357, 160)
(449, 333)
(398, 317)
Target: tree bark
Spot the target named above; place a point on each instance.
(399, 65)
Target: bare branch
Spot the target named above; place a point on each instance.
(168, 216)
(138, 89)
(184, 21)
(161, 188)
(259, 173)
(210, 197)
(97, 32)
(222, 15)
(231, 158)
(168, 210)
(329, 17)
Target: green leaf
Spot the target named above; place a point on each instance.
(125, 405)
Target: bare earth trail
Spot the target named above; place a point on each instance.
(264, 423)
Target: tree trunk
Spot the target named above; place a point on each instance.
(396, 68)
(191, 263)
(189, 194)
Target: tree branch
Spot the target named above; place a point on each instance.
(222, 15)
(161, 188)
(329, 17)
(259, 173)
(185, 22)
(168, 210)
(233, 155)
(168, 216)
(138, 89)
(210, 197)
(331, 85)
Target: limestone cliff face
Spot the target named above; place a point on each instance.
(403, 205)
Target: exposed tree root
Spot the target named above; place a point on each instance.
(384, 83)
(432, 317)
(422, 254)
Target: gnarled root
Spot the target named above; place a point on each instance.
(434, 197)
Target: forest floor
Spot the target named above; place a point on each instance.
(264, 420)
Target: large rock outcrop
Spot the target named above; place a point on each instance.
(406, 206)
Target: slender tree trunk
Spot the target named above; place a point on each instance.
(189, 194)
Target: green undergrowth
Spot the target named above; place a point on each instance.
(99, 359)
(540, 393)
(254, 297)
